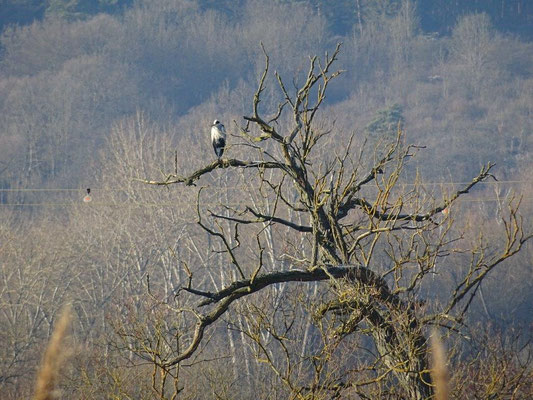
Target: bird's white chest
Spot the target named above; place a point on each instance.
(217, 133)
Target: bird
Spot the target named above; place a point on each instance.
(218, 137)
(87, 198)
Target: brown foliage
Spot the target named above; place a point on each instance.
(54, 357)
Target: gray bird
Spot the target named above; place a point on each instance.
(218, 137)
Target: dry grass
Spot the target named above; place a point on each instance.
(53, 358)
(439, 372)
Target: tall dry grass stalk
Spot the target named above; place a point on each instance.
(439, 372)
(53, 358)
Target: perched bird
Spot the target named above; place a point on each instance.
(87, 198)
(218, 137)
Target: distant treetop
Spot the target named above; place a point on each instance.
(23, 12)
(436, 16)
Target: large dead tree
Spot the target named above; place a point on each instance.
(352, 217)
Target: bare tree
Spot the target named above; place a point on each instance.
(472, 44)
(34, 283)
(376, 244)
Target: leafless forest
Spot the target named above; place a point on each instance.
(375, 191)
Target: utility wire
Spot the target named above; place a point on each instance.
(247, 187)
(232, 204)
(178, 204)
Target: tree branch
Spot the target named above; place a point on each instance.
(244, 287)
(354, 202)
(264, 218)
(227, 163)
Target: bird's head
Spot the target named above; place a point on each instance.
(216, 122)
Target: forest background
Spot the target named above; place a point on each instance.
(97, 94)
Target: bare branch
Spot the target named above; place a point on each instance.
(383, 216)
(264, 218)
(246, 287)
(222, 163)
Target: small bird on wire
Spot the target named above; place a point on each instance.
(87, 198)
(218, 137)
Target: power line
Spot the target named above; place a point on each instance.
(57, 189)
(232, 204)
(247, 187)
(177, 204)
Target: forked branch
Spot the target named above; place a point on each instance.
(241, 288)
(222, 163)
